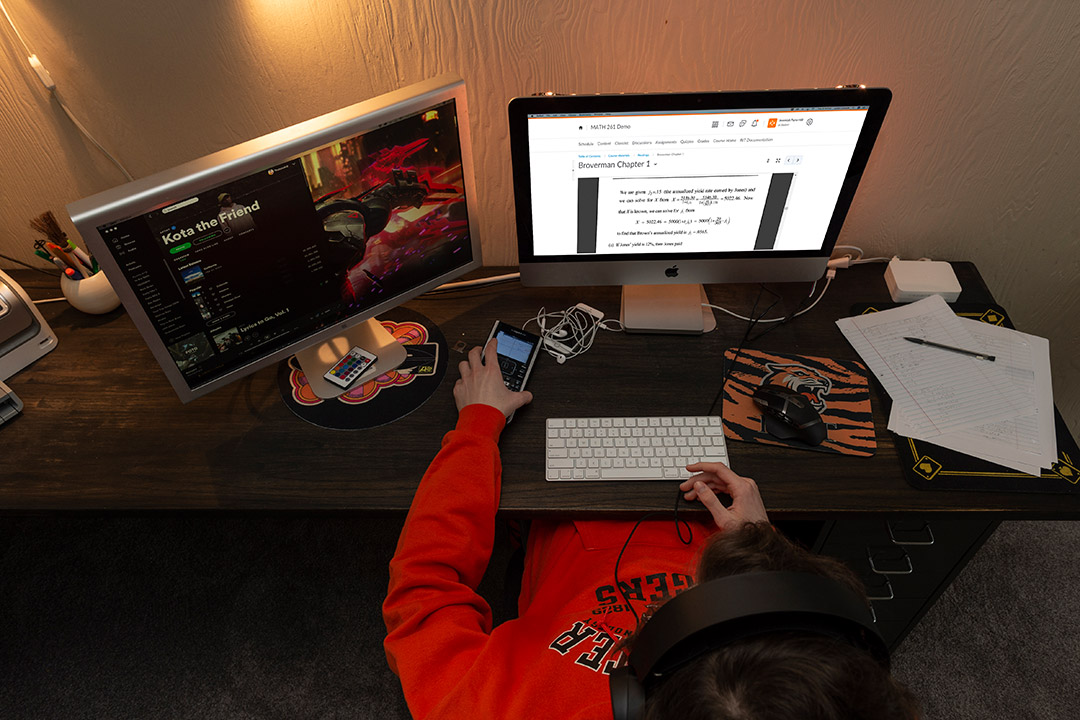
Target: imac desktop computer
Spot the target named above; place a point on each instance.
(661, 193)
(293, 242)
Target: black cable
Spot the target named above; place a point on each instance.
(618, 585)
(678, 494)
(738, 350)
(790, 315)
(678, 530)
(27, 265)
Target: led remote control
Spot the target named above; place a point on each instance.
(349, 367)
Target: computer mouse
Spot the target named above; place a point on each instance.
(789, 414)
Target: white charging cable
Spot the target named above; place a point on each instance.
(50, 85)
(830, 273)
(571, 332)
(844, 261)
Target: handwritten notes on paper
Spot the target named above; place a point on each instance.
(1001, 410)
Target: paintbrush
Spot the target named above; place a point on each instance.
(47, 225)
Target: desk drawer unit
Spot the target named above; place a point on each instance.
(905, 561)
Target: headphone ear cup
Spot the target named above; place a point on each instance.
(627, 694)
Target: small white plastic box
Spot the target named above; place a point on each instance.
(911, 280)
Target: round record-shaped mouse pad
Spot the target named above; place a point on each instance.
(383, 399)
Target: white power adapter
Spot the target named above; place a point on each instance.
(911, 280)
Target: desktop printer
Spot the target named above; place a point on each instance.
(24, 337)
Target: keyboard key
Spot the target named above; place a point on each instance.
(632, 473)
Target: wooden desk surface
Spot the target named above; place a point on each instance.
(102, 429)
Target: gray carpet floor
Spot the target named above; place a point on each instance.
(1003, 641)
(240, 617)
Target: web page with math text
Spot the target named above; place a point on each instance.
(688, 181)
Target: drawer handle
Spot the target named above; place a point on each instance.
(903, 536)
(877, 586)
(900, 565)
(872, 593)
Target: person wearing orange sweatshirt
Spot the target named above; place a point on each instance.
(582, 591)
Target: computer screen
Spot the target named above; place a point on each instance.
(665, 189)
(240, 259)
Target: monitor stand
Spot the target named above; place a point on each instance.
(668, 309)
(370, 336)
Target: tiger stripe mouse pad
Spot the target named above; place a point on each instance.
(838, 389)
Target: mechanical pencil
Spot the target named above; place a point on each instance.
(972, 353)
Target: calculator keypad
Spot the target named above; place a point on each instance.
(513, 372)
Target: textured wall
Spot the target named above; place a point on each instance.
(979, 158)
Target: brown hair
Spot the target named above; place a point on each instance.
(780, 675)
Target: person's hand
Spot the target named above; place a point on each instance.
(482, 383)
(710, 478)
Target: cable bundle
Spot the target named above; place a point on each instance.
(569, 333)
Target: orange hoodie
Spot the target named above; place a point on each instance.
(552, 660)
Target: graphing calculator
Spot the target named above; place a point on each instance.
(351, 365)
(517, 350)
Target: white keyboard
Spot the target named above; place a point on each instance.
(634, 448)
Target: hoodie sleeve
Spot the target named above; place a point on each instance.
(436, 622)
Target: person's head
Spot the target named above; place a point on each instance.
(779, 675)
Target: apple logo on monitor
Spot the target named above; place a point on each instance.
(672, 271)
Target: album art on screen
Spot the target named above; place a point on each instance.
(270, 258)
(392, 199)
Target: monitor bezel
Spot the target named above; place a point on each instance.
(671, 268)
(178, 183)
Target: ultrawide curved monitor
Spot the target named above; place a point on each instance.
(242, 258)
(664, 189)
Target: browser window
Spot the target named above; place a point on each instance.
(708, 181)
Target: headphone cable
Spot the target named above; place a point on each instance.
(678, 494)
(679, 531)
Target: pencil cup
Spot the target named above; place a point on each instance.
(93, 295)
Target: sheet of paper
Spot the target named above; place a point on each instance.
(1026, 443)
(934, 391)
